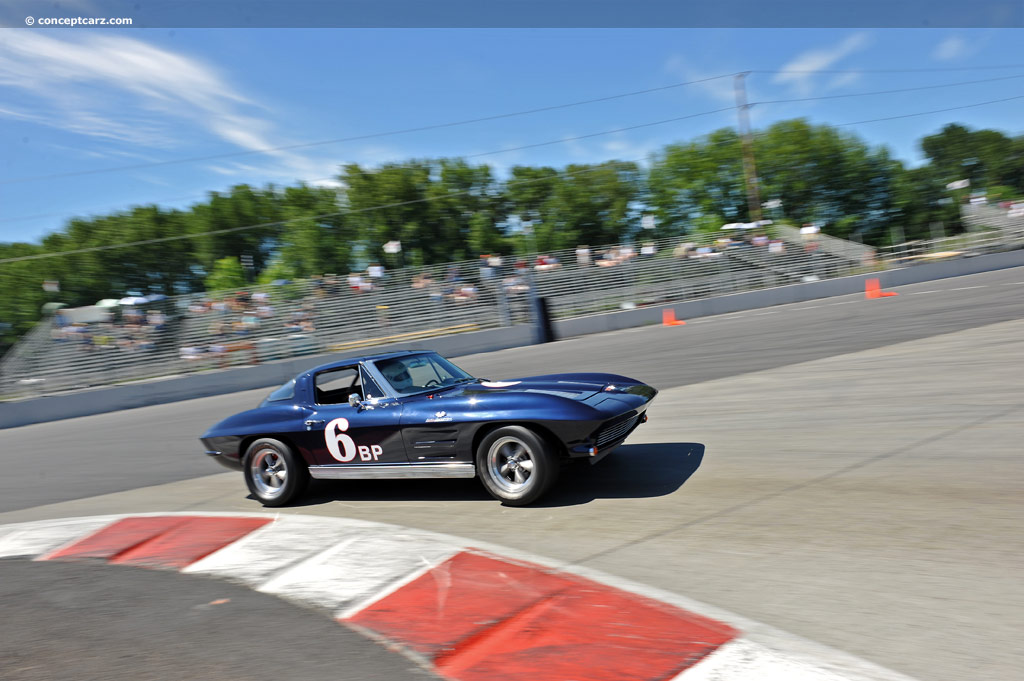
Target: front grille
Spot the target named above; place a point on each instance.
(615, 431)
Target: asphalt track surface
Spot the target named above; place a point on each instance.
(74, 621)
(848, 470)
(77, 458)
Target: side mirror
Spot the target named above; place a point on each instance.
(353, 400)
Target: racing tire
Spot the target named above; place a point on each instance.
(273, 472)
(515, 465)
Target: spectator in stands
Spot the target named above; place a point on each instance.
(294, 323)
(486, 271)
(376, 272)
(355, 282)
(583, 255)
(156, 319)
(423, 280)
(546, 262)
(682, 250)
(265, 311)
(609, 258)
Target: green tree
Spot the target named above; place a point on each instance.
(227, 273)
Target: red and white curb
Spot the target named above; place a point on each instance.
(467, 610)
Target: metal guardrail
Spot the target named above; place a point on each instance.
(959, 246)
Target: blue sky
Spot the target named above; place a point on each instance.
(85, 100)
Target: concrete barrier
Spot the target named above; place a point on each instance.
(116, 398)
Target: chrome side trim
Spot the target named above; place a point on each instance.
(402, 470)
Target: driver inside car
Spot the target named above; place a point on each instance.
(398, 376)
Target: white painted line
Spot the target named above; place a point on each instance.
(921, 293)
(1015, 283)
(809, 307)
(261, 555)
(965, 288)
(845, 302)
(761, 314)
(743, 660)
(36, 539)
(359, 567)
(424, 568)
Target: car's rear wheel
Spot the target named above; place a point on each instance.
(274, 473)
(516, 465)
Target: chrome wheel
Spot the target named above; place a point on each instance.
(269, 472)
(510, 464)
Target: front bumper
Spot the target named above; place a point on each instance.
(223, 450)
(225, 460)
(608, 437)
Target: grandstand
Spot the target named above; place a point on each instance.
(218, 330)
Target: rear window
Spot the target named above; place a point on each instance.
(285, 392)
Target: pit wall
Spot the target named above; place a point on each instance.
(173, 389)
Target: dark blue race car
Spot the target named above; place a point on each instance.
(417, 415)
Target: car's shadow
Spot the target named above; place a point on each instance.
(631, 471)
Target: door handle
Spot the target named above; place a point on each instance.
(314, 422)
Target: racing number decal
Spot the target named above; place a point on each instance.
(343, 448)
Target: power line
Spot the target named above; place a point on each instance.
(632, 127)
(889, 92)
(935, 69)
(481, 119)
(277, 223)
(22, 218)
(428, 199)
(598, 134)
(635, 127)
(356, 138)
(934, 111)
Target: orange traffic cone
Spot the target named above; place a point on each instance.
(873, 289)
(668, 318)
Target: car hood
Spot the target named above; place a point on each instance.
(570, 386)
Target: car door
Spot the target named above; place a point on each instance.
(339, 434)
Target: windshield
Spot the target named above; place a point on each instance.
(285, 392)
(416, 373)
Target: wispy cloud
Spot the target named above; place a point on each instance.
(843, 79)
(801, 72)
(122, 89)
(719, 90)
(953, 47)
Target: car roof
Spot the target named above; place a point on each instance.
(366, 358)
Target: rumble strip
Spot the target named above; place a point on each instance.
(469, 612)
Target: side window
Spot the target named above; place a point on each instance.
(334, 386)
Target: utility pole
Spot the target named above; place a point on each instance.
(749, 170)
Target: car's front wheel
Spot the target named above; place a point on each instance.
(273, 472)
(515, 465)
